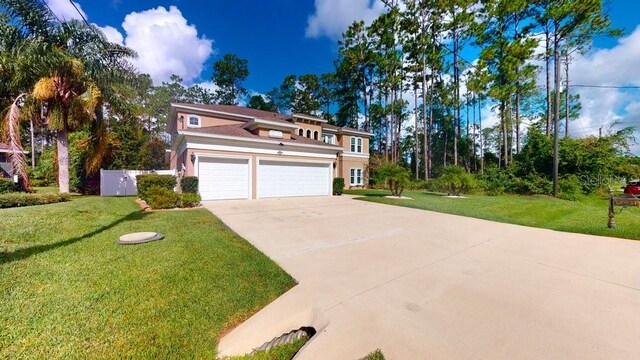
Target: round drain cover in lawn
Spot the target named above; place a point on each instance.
(139, 238)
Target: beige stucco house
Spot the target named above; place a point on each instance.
(242, 153)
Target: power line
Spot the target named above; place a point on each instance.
(80, 13)
(606, 86)
(44, 2)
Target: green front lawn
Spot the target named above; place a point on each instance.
(67, 290)
(587, 216)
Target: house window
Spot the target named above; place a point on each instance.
(301, 132)
(327, 139)
(194, 121)
(356, 145)
(315, 135)
(309, 134)
(356, 177)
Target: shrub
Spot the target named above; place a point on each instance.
(159, 197)
(189, 184)
(496, 181)
(418, 185)
(532, 184)
(394, 176)
(338, 186)
(189, 200)
(24, 199)
(7, 186)
(456, 180)
(570, 188)
(146, 182)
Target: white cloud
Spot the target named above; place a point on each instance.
(166, 44)
(208, 85)
(112, 34)
(332, 17)
(64, 10)
(610, 108)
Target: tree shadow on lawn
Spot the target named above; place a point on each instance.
(6, 257)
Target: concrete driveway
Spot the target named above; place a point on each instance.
(424, 285)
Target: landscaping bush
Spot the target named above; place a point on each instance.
(146, 182)
(24, 199)
(455, 180)
(495, 181)
(189, 200)
(338, 186)
(570, 188)
(417, 185)
(394, 176)
(7, 186)
(189, 184)
(159, 197)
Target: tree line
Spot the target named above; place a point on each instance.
(404, 78)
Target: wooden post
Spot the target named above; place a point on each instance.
(612, 214)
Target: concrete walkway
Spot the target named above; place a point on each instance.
(424, 285)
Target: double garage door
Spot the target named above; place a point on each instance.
(231, 178)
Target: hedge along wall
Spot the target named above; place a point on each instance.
(149, 180)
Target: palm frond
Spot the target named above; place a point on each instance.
(34, 16)
(11, 135)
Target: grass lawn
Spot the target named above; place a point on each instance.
(67, 290)
(587, 216)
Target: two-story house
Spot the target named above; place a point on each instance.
(242, 153)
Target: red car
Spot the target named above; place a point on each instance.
(633, 188)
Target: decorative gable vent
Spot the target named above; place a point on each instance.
(277, 134)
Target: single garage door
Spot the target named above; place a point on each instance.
(288, 178)
(223, 178)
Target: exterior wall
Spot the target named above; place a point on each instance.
(309, 126)
(345, 142)
(253, 162)
(265, 134)
(345, 166)
(205, 120)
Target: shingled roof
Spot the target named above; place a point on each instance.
(239, 110)
(238, 130)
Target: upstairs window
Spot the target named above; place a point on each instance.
(315, 135)
(356, 145)
(309, 134)
(327, 139)
(194, 121)
(301, 132)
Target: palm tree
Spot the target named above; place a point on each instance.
(78, 68)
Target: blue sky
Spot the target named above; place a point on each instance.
(282, 37)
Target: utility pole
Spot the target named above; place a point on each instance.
(566, 95)
(556, 110)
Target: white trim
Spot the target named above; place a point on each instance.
(185, 107)
(355, 155)
(275, 159)
(334, 131)
(355, 132)
(353, 148)
(264, 141)
(361, 183)
(189, 116)
(308, 117)
(196, 167)
(257, 121)
(232, 148)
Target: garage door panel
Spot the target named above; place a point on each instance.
(221, 178)
(284, 179)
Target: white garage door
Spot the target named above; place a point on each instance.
(223, 178)
(283, 179)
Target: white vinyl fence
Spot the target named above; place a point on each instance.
(123, 182)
